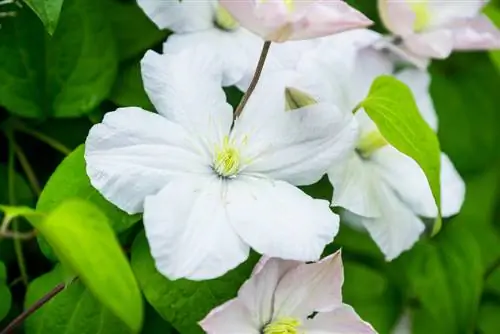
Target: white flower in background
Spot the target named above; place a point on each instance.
(282, 20)
(434, 28)
(289, 297)
(382, 190)
(210, 191)
(206, 23)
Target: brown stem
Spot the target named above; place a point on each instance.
(33, 308)
(255, 79)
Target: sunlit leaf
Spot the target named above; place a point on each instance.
(5, 296)
(48, 11)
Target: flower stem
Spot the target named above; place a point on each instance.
(255, 79)
(30, 174)
(44, 138)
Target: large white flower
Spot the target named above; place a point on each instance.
(206, 23)
(289, 297)
(383, 190)
(210, 191)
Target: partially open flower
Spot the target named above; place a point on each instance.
(434, 28)
(282, 20)
(289, 297)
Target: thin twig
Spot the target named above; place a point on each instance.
(18, 235)
(255, 79)
(44, 138)
(33, 308)
(30, 174)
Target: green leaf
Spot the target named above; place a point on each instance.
(182, 302)
(82, 239)
(494, 14)
(129, 89)
(488, 322)
(64, 76)
(5, 296)
(72, 311)
(48, 11)
(391, 105)
(444, 277)
(134, 32)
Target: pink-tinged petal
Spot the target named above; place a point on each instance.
(265, 259)
(397, 16)
(432, 44)
(257, 294)
(342, 320)
(476, 34)
(310, 287)
(231, 317)
(401, 52)
(446, 12)
(244, 11)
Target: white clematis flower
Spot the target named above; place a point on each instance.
(383, 190)
(206, 23)
(289, 297)
(209, 192)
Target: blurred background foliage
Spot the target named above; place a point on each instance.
(58, 87)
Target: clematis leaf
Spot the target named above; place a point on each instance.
(48, 11)
(5, 295)
(83, 241)
(494, 14)
(183, 302)
(391, 105)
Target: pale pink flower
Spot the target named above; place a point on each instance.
(285, 296)
(434, 28)
(282, 20)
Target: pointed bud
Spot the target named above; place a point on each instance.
(224, 20)
(295, 99)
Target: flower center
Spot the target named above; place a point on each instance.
(227, 159)
(283, 326)
(369, 143)
(224, 20)
(422, 14)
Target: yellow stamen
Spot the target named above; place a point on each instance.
(227, 159)
(371, 142)
(422, 14)
(283, 326)
(224, 20)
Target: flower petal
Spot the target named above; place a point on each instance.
(410, 183)
(397, 16)
(186, 88)
(476, 34)
(257, 293)
(134, 153)
(297, 146)
(186, 242)
(355, 185)
(397, 229)
(231, 317)
(181, 17)
(237, 50)
(446, 12)
(432, 44)
(278, 220)
(342, 320)
(310, 287)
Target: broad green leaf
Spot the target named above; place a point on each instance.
(5, 296)
(70, 180)
(494, 14)
(391, 105)
(82, 239)
(134, 32)
(368, 291)
(48, 11)
(466, 99)
(488, 320)
(129, 89)
(64, 76)
(444, 276)
(154, 323)
(72, 311)
(182, 302)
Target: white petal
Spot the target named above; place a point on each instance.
(237, 51)
(133, 153)
(186, 88)
(185, 16)
(419, 81)
(343, 320)
(445, 12)
(397, 229)
(432, 44)
(309, 288)
(231, 317)
(279, 220)
(409, 181)
(297, 146)
(258, 291)
(186, 241)
(397, 16)
(355, 185)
